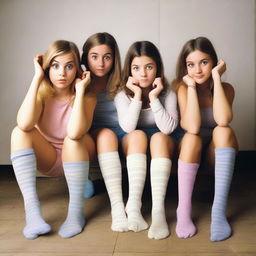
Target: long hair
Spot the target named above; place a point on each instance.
(55, 49)
(138, 49)
(114, 78)
(202, 44)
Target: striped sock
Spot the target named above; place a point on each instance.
(224, 167)
(136, 167)
(159, 172)
(186, 178)
(24, 165)
(112, 173)
(75, 173)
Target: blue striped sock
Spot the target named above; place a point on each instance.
(24, 165)
(76, 174)
(224, 167)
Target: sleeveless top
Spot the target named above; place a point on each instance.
(207, 123)
(54, 120)
(105, 114)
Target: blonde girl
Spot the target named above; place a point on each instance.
(51, 135)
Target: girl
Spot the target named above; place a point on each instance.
(205, 104)
(51, 135)
(101, 57)
(147, 111)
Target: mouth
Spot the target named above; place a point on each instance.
(62, 81)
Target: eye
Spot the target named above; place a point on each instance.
(94, 57)
(107, 57)
(190, 65)
(204, 62)
(54, 65)
(149, 67)
(69, 66)
(135, 68)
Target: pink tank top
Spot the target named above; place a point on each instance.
(54, 120)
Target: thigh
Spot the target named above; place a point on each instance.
(44, 151)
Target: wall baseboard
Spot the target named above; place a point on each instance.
(245, 161)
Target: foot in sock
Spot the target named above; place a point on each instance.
(119, 219)
(224, 167)
(35, 224)
(24, 165)
(76, 174)
(136, 222)
(220, 230)
(159, 227)
(185, 227)
(72, 226)
(89, 189)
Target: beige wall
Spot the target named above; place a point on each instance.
(28, 26)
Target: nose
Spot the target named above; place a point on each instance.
(198, 69)
(143, 72)
(101, 62)
(62, 71)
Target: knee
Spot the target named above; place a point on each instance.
(106, 135)
(162, 139)
(137, 135)
(224, 137)
(192, 140)
(18, 133)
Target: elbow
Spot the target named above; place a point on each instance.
(224, 122)
(191, 128)
(24, 127)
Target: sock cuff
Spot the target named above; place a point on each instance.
(78, 164)
(134, 157)
(161, 160)
(106, 155)
(187, 167)
(21, 152)
(225, 150)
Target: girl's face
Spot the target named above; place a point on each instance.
(63, 70)
(144, 69)
(199, 66)
(100, 60)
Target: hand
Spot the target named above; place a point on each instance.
(133, 85)
(189, 81)
(82, 83)
(157, 88)
(219, 69)
(39, 72)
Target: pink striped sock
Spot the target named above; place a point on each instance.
(186, 178)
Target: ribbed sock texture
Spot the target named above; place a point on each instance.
(224, 168)
(186, 178)
(75, 173)
(136, 167)
(24, 165)
(112, 173)
(160, 169)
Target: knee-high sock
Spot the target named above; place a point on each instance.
(160, 169)
(89, 190)
(24, 165)
(224, 167)
(186, 178)
(75, 173)
(112, 173)
(136, 167)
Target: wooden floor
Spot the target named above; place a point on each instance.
(97, 239)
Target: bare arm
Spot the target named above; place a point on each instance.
(31, 107)
(83, 108)
(189, 106)
(223, 97)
